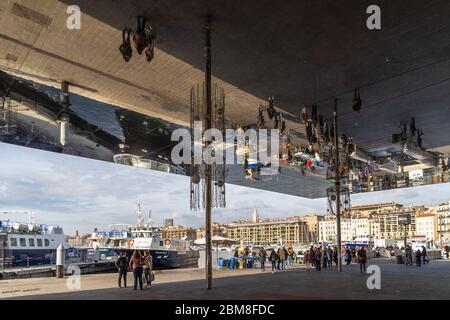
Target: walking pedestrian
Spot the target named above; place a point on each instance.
(306, 260)
(362, 259)
(122, 268)
(418, 257)
(278, 258)
(348, 256)
(273, 259)
(354, 257)
(147, 264)
(290, 257)
(325, 258)
(424, 255)
(312, 256)
(409, 254)
(318, 259)
(283, 257)
(262, 258)
(330, 257)
(335, 256)
(136, 266)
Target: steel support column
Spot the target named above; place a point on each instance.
(338, 186)
(208, 180)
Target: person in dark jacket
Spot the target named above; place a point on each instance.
(312, 256)
(424, 255)
(319, 259)
(122, 268)
(335, 256)
(262, 258)
(362, 259)
(418, 258)
(348, 256)
(273, 259)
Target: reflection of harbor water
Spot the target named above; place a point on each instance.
(215, 256)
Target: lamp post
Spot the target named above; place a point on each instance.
(338, 186)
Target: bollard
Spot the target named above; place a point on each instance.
(60, 257)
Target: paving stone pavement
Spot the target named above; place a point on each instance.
(397, 282)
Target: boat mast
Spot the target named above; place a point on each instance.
(140, 222)
(149, 223)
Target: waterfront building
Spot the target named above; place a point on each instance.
(291, 230)
(178, 232)
(391, 228)
(217, 230)
(312, 226)
(351, 229)
(168, 222)
(443, 222)
(427, 224)
(374, 209)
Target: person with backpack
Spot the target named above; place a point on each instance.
(122, 268)
(273, 259)
(290, 257)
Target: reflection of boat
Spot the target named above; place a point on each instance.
(29, 243)
(140, 162)
(166, 252)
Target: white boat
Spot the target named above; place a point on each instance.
(166, 252)
(27, 244)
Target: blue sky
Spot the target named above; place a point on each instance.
(80, 194)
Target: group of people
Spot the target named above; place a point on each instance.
(357, 256)
(143, 38)
(420, 256)
(141, 266)
(280, 259)
(320, 258)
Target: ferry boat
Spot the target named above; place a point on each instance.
(166, 252)
(26, 244)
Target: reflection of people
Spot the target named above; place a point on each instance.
(139, 37)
